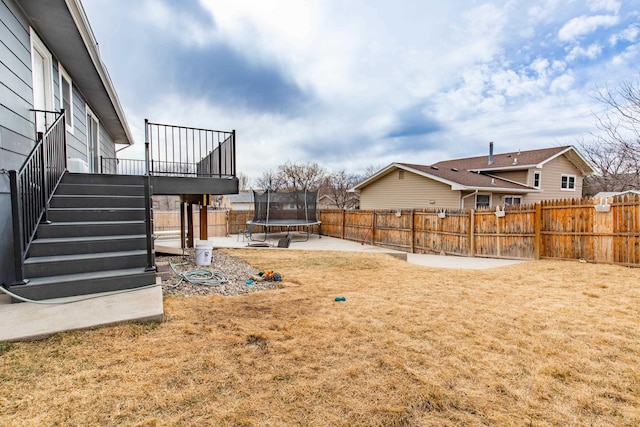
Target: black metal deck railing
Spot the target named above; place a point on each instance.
(33, 186)
(180, 151)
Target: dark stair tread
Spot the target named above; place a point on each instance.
(96, 196)
(93, 223)
(83, 239)
(98, 208)
(88, 276)
(89, 256)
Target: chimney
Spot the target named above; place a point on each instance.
(491, 152)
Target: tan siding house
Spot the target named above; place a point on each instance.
(494, 180)
(551, 181)
(401, 189)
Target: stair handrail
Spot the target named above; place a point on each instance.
(32, 187)
(151, 263)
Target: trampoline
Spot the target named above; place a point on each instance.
(290, 210)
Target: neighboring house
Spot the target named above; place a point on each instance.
(243, 201)
(473, 182)
(326, 202)
(605, 194)
(75, 219)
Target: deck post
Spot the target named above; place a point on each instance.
(190, 225)
(204, 220)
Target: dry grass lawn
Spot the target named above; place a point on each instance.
(541, 343)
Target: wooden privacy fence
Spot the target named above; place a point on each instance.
(558, 229)
(167, 223)
(587, 229)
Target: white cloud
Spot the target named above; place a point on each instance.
(629, 34)
(612, 6)
(584, 25)
(562, 83)
(591, 52)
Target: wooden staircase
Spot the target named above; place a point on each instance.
(95, 241)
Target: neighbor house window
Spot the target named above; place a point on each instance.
(66, 97)
(483, 200)
(568, 182)
(400, 174)
(512, 200)
(536, 179)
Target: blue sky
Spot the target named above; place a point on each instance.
(351, 84)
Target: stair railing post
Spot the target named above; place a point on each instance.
(18, 244)
(151, 265)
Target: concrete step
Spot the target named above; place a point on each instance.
(95, 214)
(100, 189)
(90, 228)
(86, 245)
(94, 201)
(83, 263)
(84, 283)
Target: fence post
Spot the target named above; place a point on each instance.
(471, 232)
(537, 224)
(413, 231)
(373, 228)
(342, 232)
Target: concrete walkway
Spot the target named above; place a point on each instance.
(332, 244)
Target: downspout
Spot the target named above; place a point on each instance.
(462, 200)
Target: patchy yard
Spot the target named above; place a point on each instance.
(540, 343)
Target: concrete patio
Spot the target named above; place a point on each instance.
(326, 243)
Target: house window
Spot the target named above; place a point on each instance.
(400, 174)
(536, 179)
(568, 182)
(512, 200)
(66, 97)
(41, 66)
(483, 200)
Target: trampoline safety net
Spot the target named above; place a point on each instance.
(298, 207)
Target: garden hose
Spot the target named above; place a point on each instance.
(200, 277)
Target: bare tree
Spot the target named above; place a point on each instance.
(615, 150)
(370, 170)
(243, 182)
(337, 187)
(270, 180)
(293, 176)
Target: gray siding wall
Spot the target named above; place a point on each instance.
(17, 127)
(413, 191)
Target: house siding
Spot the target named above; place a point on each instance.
(550, 181)
(17, 128)
(517, 176)
(413, 191)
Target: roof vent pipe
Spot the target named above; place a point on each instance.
(491, 152)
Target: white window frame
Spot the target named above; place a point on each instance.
(90, 115)
(38, 46)
(63, 75)
(539, 175)
(504, 200)
(569, 178)
(482, 194)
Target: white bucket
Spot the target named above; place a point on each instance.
(204, 251)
